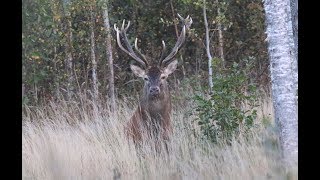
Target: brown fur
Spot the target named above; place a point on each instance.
(152, 117)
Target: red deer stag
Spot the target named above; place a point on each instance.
(152, 116)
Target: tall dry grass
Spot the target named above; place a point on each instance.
(81, 139)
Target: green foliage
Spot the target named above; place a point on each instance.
(221, 114)
(45, 28)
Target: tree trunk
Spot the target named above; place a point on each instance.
(110, 58)
(294, 19)
(220, 37)
(279, 35)
(69, 59)
(56, 10)
(56, 80)
(208, 47)
(174, 19)
(23, 90)
(93, 56)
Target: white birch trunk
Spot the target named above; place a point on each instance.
(208, 47)
(220, 37)
(93, 56)
(282, 60)
(110, 58)
(294, 21)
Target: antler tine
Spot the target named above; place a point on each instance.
(125, 29)
(189, 22)
(126, 41)
(181, 18)
(163, 51)
(137, 49)
(130, 51)
(123, 22)
(186, 25)
(119, 41)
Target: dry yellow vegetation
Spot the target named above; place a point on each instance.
(81, 140)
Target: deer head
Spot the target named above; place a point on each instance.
(154, 75)
(155, 79)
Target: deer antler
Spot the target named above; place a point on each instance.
(186, 25)
(130, 51)
(163, 50)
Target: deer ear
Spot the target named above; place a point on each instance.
(170, 68)
(137, 71)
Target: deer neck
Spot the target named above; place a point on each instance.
(157, 105)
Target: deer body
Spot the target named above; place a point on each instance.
(152, 117)
(153, 113)
(151, 120)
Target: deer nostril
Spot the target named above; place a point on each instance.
(154, 90)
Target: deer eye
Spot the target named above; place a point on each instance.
(146, 79)
(163, 77)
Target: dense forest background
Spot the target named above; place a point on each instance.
(64, 44)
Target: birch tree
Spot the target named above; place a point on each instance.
(220, 35)
(282, 60)
(93, 55)
(208, 46)
(294, 19)
(109, 54)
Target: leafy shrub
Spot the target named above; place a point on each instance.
(221, 114)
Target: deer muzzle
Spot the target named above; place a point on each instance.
(154, 90)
